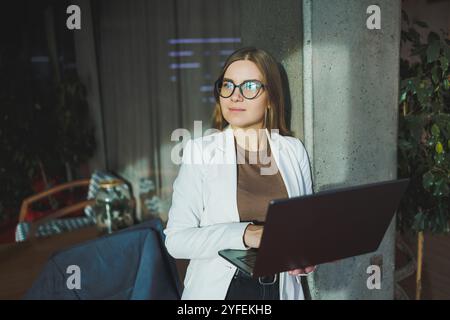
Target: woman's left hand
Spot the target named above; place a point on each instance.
(306, 270)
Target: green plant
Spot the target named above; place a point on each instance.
(75, 140)
(18, 160)
(45, 129)
(424, 132)
(42, 131)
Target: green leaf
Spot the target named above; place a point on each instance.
(414, 35)
(422, 94)
(415, 124)
(419, 221)
(413, 84)
(444, 65)
(404, 85)
(439, 159)
(446, 84)
(421, 24)
(433, 50)
(405, 16)
(405, 145)
(435, 130)
(427, 180)
(436, 106)
(435, 75)
(441, 188)
(439, 148)
(403, 97)
(433, 36)
(446, 48)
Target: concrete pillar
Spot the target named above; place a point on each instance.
(343, 82)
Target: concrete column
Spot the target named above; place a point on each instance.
(343, 82)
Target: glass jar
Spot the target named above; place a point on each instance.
(114, 206)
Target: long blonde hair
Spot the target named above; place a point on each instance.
(273, 84)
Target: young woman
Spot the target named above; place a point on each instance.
(227, 179)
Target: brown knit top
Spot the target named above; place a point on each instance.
(254, 189)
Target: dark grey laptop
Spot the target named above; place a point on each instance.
(319, 228)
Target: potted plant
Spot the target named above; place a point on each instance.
(424, 137)
(44, 134)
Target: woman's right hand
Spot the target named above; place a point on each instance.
(252, 235)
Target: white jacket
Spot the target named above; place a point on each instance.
(204, 218)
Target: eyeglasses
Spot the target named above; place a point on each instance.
(249, 88)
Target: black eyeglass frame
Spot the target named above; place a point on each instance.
(219, 81)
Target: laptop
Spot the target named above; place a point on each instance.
(323, 227)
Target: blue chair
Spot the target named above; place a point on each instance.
(130, 264)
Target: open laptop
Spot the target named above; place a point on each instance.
(319, 228)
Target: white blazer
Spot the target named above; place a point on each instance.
(204, 218)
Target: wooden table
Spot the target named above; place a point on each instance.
(21, 263)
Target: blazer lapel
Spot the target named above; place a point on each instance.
(283, 158)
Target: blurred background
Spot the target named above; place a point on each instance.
(102, 102)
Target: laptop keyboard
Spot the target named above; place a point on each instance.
(249, 259)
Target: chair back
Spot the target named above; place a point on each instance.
(131, 264)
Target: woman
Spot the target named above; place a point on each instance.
(227, 179)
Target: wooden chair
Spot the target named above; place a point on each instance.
(22, 261)
(30, 234)
(27, 231)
